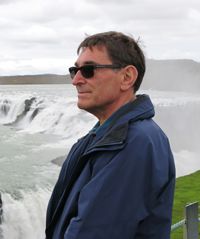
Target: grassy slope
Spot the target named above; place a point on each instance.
(187, 191)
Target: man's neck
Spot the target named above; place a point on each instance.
(106, 115)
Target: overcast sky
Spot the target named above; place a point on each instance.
(41, 36)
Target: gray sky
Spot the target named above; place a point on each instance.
(41, 36)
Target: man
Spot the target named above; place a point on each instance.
(117, 181)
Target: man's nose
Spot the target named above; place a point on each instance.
(78, 78)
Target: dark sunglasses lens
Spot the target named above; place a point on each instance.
(73, 71)
(87, 71)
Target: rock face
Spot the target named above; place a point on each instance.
(59, 160)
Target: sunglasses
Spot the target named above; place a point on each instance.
(87, 71)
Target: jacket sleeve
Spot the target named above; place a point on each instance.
(130, 197)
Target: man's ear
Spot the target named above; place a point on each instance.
(129, 77)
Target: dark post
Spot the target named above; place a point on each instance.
(191, 225)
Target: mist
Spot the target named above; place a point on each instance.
(172, 75)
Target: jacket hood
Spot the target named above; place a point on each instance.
(139, 109)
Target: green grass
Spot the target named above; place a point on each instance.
(187, 191)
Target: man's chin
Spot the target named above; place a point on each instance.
(82, 106)
(86, 107)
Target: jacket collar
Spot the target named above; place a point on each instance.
(114, 131)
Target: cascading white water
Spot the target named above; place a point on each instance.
(35, 114)
(10, 109)
(40, 123)
(24, 216)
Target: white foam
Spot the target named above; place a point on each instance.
(24, 218)
(15, 106)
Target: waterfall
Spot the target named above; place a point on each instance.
(41, 125)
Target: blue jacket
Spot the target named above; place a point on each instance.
(120, 186)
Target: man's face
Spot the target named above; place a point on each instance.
(99, 95)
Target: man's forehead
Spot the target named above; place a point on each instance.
(92, 55)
